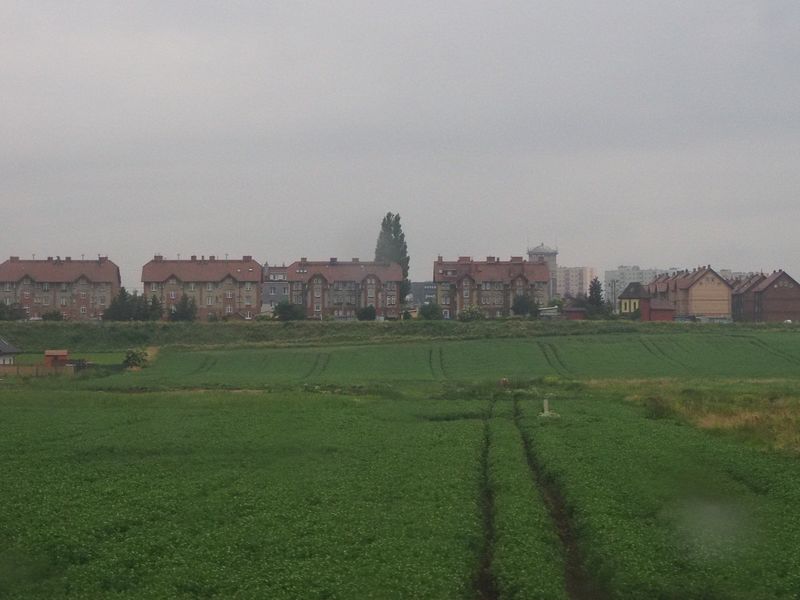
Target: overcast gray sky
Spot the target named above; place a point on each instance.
(629, 132)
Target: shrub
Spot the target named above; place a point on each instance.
(471, 313)
(431, 312)
(366, 314)
(134, 358)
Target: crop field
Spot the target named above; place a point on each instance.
(668, 469)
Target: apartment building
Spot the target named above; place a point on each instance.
(542, 254)
(572, 282)
(79, 289)
(491, 284)
(220, 287)
(338, 289)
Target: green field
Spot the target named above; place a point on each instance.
(403, 469)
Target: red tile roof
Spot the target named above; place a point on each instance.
(60, 271)
(495, 270)
(201, 270)
(769, 280)
(343, 271)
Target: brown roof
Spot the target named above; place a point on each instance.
(661, 304)
(335, 270)
(769, 280)
(60, 271)
(744, 285)
(490, 270)
(194, 269)
(56, 352)
(634, 290)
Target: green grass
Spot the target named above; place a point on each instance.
(98, 358)
(386, 469)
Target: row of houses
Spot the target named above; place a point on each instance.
(704, 294)
(233, 288)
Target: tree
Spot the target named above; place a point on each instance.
(119, 309)
(184, 310)
(286, 311)
(155, 309)
(392, 247)
(431, 312)
(366, 314)
(134, 358)
(12, 312)
(595, 299)
(132, 307)
(52, 315)
(524, 306)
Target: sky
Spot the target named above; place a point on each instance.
(628, 132)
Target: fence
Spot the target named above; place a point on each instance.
(35, 370)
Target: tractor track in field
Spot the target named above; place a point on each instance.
(578, 582)
(553, 359)
(484, 584)
(661, 354)
(759, 343)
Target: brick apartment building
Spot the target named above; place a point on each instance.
(220, 287)
(491, 285)
(766, 298)
(79, 289)
(337, 289)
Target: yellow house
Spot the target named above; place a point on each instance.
(698, 294)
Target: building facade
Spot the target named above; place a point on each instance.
(423, 292)
(78, 289)
(336, 289)
(767, 298)
(221, 288)
(491, 285)
(616, 280)
(572, 282)
(275, 288)
(542, 254)
(698, 294)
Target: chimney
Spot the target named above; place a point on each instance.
(68, 258)
(490, 259)
(516, 259)
(355, 259)
(102, 259)
(14, 259)
(439, 258)
(463, 259)
(333, 260)
(247, 258)
(303, 259)
(212, 258)
(194, 257)
(158, 258)
(49, 259)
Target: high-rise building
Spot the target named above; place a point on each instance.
(573, 281)
(618, 279)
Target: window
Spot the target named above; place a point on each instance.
(8, 301)
(229, 295)
(228, 309)
(272, 291)
(247, 301)
(446, 313)
(466, 292)
(8, 287)
(191, 287)
(172, 281)
(63, 301)
(45, 286)
(210, 301)
(209, 286)
(46, 301)
(317, 308)
(317, 291)
(83, 310)
(391, 300)
(83, 295)
(248, 315)
(248, 286)
(101, 300)
(153, 287)
(445, 299)
(172, 295)
(285, 289)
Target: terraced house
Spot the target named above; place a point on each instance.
(221, 288)
(767, 298)
(78, 289)
(338, 289)
(490, 285)
(698, 294)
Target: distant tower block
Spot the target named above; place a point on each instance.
(549, 256)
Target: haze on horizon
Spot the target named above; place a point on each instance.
(650, 133)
